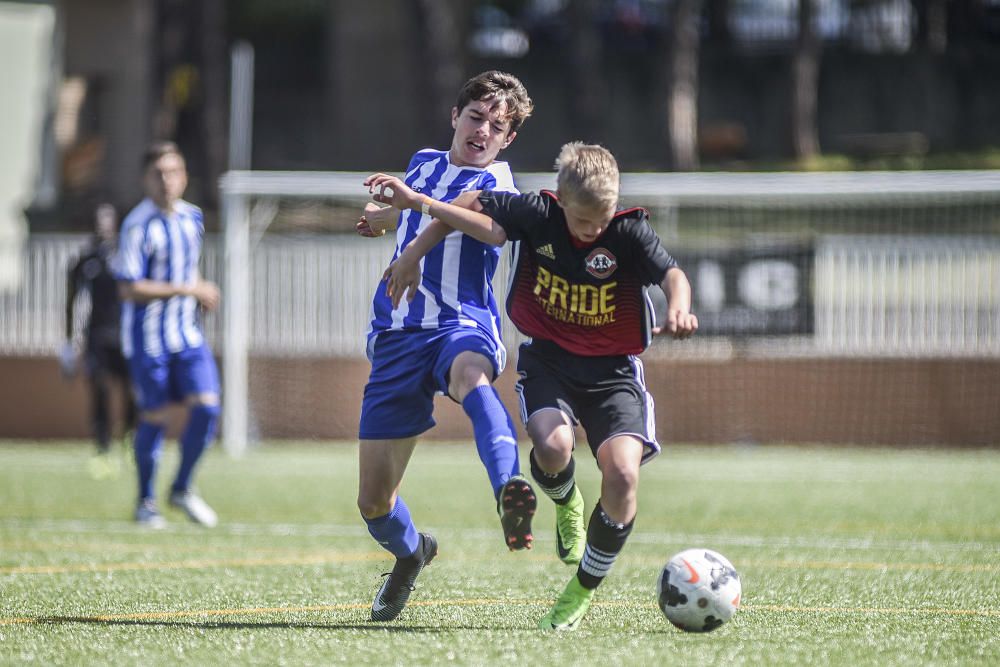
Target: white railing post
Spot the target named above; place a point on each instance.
(236, 323)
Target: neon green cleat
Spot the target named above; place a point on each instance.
(569, 609)
(571, 531)
(104, 465)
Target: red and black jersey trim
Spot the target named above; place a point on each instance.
(618, 214)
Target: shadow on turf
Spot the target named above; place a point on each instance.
(229, 625)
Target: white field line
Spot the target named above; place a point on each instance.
(668, 539)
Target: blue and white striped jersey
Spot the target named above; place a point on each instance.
(157, 246)
(456, 287)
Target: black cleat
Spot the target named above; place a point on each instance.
(396, 588)
(517, 505)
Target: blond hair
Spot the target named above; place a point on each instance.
(588, 175)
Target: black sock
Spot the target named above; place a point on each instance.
(558, 486)
(605, 540)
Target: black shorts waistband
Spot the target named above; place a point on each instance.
(551, 348)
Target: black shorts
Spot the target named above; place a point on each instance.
(605, 395)
(105, 358)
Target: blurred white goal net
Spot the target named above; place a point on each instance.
(858, 267)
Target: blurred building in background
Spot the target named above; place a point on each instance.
(846, 308)
(667, 84)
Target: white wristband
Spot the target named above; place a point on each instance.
(425, 207)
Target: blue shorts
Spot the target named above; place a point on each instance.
(408, 368)
(170, 378)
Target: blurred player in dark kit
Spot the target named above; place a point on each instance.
(102, 353)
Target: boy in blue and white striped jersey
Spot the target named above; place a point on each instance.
(445, 340)
(169, 360)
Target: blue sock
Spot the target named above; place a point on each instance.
(148, 438)
(197, 434)
(495, 435)
(395, 531)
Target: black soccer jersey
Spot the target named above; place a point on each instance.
(92, 272)
(588, 299)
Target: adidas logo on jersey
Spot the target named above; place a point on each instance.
(546, 251)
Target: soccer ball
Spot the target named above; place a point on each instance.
(698, 590)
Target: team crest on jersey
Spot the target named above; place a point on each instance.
(601, 263)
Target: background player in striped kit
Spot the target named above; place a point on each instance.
(579, 290)
(446, 340)
(169, 359)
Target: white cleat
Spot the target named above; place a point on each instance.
(147, 515)
(196, 509)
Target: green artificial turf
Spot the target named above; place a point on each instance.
(848, 556)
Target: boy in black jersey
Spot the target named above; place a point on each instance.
(581, 269)
(104, 363)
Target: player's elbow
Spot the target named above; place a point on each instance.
(468, 199)
(497, 236)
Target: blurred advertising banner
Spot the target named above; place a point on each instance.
(763, 290)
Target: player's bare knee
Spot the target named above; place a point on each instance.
(468, 371)
(551, 434)
(552, 454)
(374, 500)
(205, 399)
(373, 507)
(621, 479)
(158, 416)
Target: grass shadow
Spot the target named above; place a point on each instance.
(245, 625)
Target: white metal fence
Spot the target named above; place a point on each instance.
(33, 299)
(873, 296)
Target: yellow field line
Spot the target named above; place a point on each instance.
(874, 610)
(862, 565)
(841, 565)
(246, 611)
(111, 547)
(193, 564)
(322, 558)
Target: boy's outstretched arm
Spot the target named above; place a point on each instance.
(681, 322)
(391, 190)
(403, 275)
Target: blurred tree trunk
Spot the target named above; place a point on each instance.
(215, 93)
(718, 22)
(805, 84)
(442, 43)
(586, 60)
(169, 49)
(371, 89)
(932, 24)
(682, 95)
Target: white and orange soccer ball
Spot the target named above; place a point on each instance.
(699, 590)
